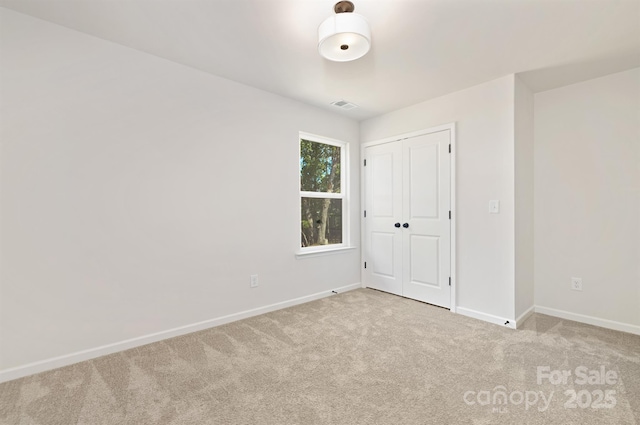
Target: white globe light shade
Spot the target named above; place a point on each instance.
(344, 37)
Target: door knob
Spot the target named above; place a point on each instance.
(405, 225)
(397, 224)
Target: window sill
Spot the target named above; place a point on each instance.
(324, 252)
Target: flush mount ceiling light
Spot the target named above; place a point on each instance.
(345, 36)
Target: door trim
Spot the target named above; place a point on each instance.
(452, 129)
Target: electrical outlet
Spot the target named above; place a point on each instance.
(576, 283)
(253, 282)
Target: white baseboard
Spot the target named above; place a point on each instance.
(590, 320)
(92, 353)
(486, 317)
(524, 316)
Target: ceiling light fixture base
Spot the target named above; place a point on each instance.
(344, 7)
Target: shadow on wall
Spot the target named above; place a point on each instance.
(571, 73)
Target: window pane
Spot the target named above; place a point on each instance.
(319, 167)
(321, 221)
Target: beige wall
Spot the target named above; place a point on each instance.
(524, 199)
(138, 195)
(587, 198)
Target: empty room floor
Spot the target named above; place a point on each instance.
(361, 357)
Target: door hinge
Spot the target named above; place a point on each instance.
(449, 281)
(449, 214)
(449, 148)
(365, 213)
(365, 264)
(365, 162)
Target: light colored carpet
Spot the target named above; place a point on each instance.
(362, 357)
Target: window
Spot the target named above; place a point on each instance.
(323, 197)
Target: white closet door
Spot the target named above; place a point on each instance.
(407, 241)
(426, 261)
(383, 206)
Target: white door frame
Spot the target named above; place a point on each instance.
(452, 129)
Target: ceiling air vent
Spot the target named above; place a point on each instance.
(343, 104)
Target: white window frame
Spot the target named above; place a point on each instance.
(344, 195)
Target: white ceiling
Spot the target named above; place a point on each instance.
(421, 49)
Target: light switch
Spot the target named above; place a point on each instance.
(494, 207)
